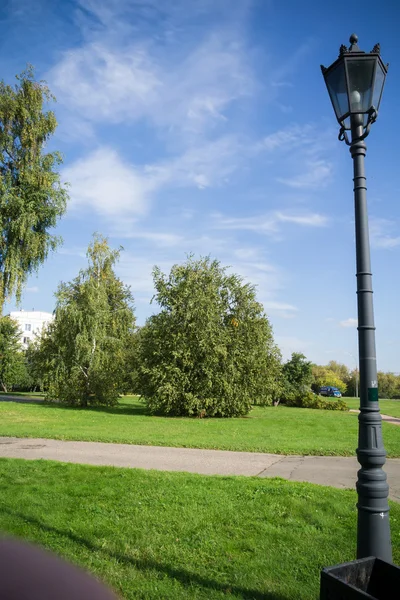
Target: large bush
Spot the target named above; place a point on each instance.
(210, 350)
(310, 400)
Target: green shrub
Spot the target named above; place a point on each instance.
(309, 400)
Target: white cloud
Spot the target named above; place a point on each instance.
(382, 233)
(314, 169)
(102, 84)
(32, 289)
(291, 137)
(280, 309)
(310, 220)
(187, 94)
(317, 174)
(349, 323)
(203, 165)
(104, 183)
(270, 224)
(157, 238)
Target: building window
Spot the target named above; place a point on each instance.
(26, 340)
(27, 326)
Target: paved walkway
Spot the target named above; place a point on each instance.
(387, 418)
(325, 470)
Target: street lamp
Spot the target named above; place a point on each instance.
(355, 82)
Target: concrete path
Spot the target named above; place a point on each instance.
(386, 418)
(325, 470)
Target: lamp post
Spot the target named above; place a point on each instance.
(355, 82)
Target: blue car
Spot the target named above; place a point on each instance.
(328, 390)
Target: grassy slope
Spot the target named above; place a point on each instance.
(387, 407)
(278, 430)
(176, 536)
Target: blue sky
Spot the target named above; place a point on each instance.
(204, 126)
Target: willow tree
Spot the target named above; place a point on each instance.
(32, 197)
(82, 356)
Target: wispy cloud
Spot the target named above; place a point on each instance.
(383, 234)
(125, 84)
(280, 309)
(271, 223)
(313, 168)
(107, 184)
(158, 238)
(349, 322)
(317, 174)
(291, 137)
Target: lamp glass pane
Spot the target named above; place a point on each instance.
(360, 74)
(378, 86)
(336, 84)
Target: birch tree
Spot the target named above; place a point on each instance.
(82, 355)
(32, 198)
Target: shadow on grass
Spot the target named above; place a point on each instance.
(184, 577)
(21, 399)
(119, 409)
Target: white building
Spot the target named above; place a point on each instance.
(30, 322)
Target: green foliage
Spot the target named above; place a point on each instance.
(322, 376)
(31, 195)
(81, 357)
(298, 371)
(210, 351)
(341, 370)
(389, 385)
(310, 400)
(12, 364)
(352, 383)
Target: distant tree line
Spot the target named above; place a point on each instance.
(209, 351)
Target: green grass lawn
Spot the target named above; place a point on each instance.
(154, 535)
(387, 407)
(279, 430)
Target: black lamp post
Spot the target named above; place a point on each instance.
(355, 82)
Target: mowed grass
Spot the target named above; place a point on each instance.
(279, 430)
(387, 407)
(154, 535)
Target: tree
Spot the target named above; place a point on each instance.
(31, 195)
(323, 376)
(12, 366)
(210, 350)
(341, 370)
(82, 354)
(388, 385)
(298, 371)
